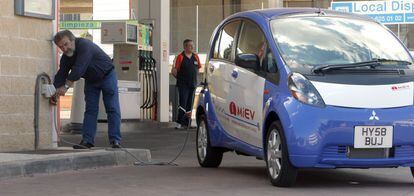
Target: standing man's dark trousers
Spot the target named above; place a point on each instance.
(109, 88)
(186, 96)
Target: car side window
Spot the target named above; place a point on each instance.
(269, 68)
(269, 63)
(252, 41)
(216, 46)
(227, 37)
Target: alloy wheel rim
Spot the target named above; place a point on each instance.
(274, 154)
(202, 141)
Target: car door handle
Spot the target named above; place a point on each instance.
(234, 74)
(211, 68)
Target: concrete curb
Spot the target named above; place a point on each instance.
(48, 164)
(146, 124)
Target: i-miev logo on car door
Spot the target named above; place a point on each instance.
(243, 112)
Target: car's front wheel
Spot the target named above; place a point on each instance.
(207, 155)
(280, 171)
(412, 171)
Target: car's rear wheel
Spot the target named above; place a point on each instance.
(207, 155)
(412, 171)
(280, 171)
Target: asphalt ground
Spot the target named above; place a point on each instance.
(238, 175)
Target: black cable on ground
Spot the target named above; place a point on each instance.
(172, 161)
(138, 161)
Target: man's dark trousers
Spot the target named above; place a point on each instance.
(186, 96)
(109, 88)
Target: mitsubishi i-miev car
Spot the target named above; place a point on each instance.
(306, 88)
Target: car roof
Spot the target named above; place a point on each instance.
(274, 13)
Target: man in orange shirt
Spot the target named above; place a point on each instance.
(185, 69)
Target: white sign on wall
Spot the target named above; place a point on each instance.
(386, 12)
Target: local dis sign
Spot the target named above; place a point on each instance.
(242, 112)
(387, 12)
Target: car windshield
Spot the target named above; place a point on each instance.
(306, 42)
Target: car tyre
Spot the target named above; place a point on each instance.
(412, 171)
(279, 169)
(207, 155)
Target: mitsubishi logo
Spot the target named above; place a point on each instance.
(374, 116)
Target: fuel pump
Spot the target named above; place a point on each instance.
(124, 37)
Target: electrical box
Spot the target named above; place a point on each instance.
(122, 32)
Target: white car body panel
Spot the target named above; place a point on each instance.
(366, 96)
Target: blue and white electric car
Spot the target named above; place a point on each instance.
(306, 88)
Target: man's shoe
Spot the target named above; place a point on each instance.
(116, 144)
(178, 126)
(83, 145)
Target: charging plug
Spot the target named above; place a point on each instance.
(48, 90)
(53, 100)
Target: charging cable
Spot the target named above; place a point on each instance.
(137, 162)
(48, 91)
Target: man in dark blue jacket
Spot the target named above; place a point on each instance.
(83, 58)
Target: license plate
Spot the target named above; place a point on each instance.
(373, 136)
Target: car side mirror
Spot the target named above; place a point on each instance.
(248, 61)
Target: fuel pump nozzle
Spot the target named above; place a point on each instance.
(154, 81)
(146, 79)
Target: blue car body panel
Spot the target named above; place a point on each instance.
(316, 137)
